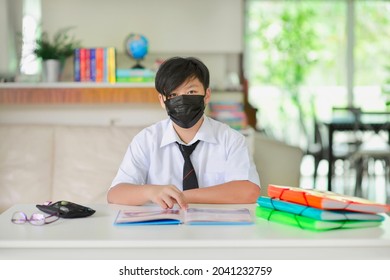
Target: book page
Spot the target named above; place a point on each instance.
(133, 216)
(218, 216)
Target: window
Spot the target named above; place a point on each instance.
(299, 66)
(29, 65)
(372, 53)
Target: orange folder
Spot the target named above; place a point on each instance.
(325, 199)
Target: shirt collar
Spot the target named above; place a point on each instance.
(205, 133)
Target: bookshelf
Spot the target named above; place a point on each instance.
(77, 93)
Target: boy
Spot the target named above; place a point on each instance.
(219, 169)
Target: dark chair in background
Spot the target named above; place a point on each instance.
(351, 135)
(319, 149)
(374, 149)
(344, 143)
(365, 161)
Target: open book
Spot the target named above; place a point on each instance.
(191, 216)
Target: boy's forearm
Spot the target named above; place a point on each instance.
(164, 195)
(237, 192)
(128, 194)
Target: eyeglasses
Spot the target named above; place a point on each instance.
(36, 219)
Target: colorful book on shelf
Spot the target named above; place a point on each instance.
(309, 223)
(191, 216)
(76, 63)
(130, 72)
(99, 64)
(83, 64)
(87, 65)
(134, 79)
(226, 105)
(111, 65)
(229, 112)
(315, 213)
(105, 65)
(94, 65)
(129, 75)
(325, 200)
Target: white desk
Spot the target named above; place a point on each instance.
(96, 237)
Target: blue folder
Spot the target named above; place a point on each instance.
(315, 213)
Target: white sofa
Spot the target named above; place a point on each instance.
(77, 163)
(276, 162)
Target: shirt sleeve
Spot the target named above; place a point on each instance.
(240, 164)
(133, 168)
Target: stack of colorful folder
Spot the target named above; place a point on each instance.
(318, 210)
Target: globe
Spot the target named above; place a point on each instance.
(137, 46)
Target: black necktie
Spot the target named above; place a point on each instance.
(189, 176)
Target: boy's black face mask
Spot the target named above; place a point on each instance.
(185, 110)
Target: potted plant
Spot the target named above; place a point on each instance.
(54, 52)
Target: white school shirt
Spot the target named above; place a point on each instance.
(153, 156)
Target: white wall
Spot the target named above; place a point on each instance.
(81, 114)
(10, 22)
(173, 26)
(211, 30)
(3, 36)
(94, 114)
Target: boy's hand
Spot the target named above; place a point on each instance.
(166, 196)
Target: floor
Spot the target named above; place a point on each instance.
(373, 188)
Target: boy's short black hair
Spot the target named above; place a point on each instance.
(176, 70)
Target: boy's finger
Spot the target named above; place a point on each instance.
(181, 202)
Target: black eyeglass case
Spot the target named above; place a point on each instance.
(66, 209)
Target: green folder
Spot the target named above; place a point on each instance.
(309, 223)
